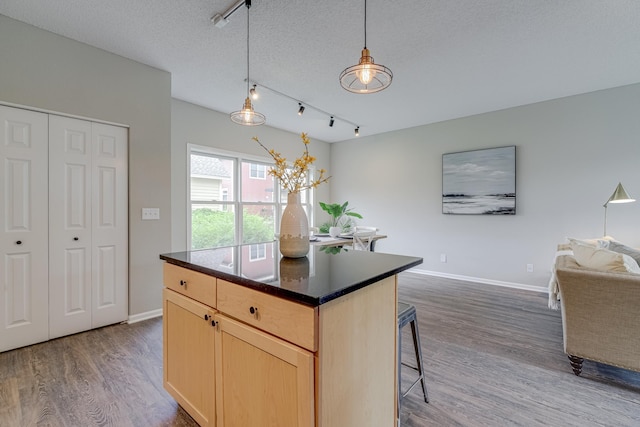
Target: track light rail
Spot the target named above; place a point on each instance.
(330, 117)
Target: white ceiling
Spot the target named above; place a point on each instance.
(450, 58)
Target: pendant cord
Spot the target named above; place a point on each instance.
(248, 3)
(365, 24)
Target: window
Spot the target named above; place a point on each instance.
(258, 171)
(233, 200)
(258, 252)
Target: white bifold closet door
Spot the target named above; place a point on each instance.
(23, 237)
(88, 283)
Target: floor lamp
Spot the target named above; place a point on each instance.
(619, 196)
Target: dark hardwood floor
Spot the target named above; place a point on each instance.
(106, 377)
(493, 357)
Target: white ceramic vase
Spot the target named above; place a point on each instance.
(335, 231)
(294, 229)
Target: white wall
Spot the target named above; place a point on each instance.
(198, 125)
(43, 70)
(571, 153)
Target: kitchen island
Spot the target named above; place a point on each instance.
(253, 339)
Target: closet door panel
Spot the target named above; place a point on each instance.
(69, 225)
(110, 230)
(23, 228)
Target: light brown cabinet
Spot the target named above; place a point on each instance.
(261, 380)
(189, 354)
(250, 359)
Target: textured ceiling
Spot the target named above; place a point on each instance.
(450, 58)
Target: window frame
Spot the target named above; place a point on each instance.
(237, 157)
(261, 252)
(261, 172)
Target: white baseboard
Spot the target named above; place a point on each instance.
(145, 316)
(480, 280)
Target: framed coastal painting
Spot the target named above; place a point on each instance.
(479, 182)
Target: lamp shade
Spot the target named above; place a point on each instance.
(620, 196)
(366, 76)
(247, 116)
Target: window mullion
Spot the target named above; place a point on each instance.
(238, 206)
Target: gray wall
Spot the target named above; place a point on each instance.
(43, 70)
(201, 126)
(571, 153)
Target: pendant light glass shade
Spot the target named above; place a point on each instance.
(367, 76)
(247, 116)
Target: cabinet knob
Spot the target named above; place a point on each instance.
(76, 239)
(183, 282)
(253, 310)
(19, 242)
(214, 323)
(206, 317)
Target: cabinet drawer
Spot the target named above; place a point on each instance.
(288, 320)
(192, 284)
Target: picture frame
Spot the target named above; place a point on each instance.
(479, 182)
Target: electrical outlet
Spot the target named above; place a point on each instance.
(150, 214)
(443, 257)
(529, 268)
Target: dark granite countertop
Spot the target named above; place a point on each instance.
(313, 280)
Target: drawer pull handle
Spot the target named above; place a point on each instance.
(183, 282)
(214, 323)
(19, 242)
(76, 238)
(206, 317)
(253, 310)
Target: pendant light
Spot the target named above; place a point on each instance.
(247, 116)
(367, 76)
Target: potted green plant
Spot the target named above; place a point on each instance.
(341, 218)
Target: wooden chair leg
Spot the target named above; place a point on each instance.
(576, 363)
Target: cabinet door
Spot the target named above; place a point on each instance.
(69, 225)
(109, 209)
(23, 228)
(261, 381)
(188, 345)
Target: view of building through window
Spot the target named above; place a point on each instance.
(233, 200)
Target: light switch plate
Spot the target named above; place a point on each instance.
(150, 214)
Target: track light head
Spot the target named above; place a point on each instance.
(301, 109)
(331, 122)
(357, 131)
(254, 93)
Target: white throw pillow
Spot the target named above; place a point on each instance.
(603, 259)
(591, 242)
(620, 248)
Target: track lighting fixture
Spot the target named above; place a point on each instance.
(254, 93)
(367, 76)
(247, 116)
(301, 108)
(357, 131)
